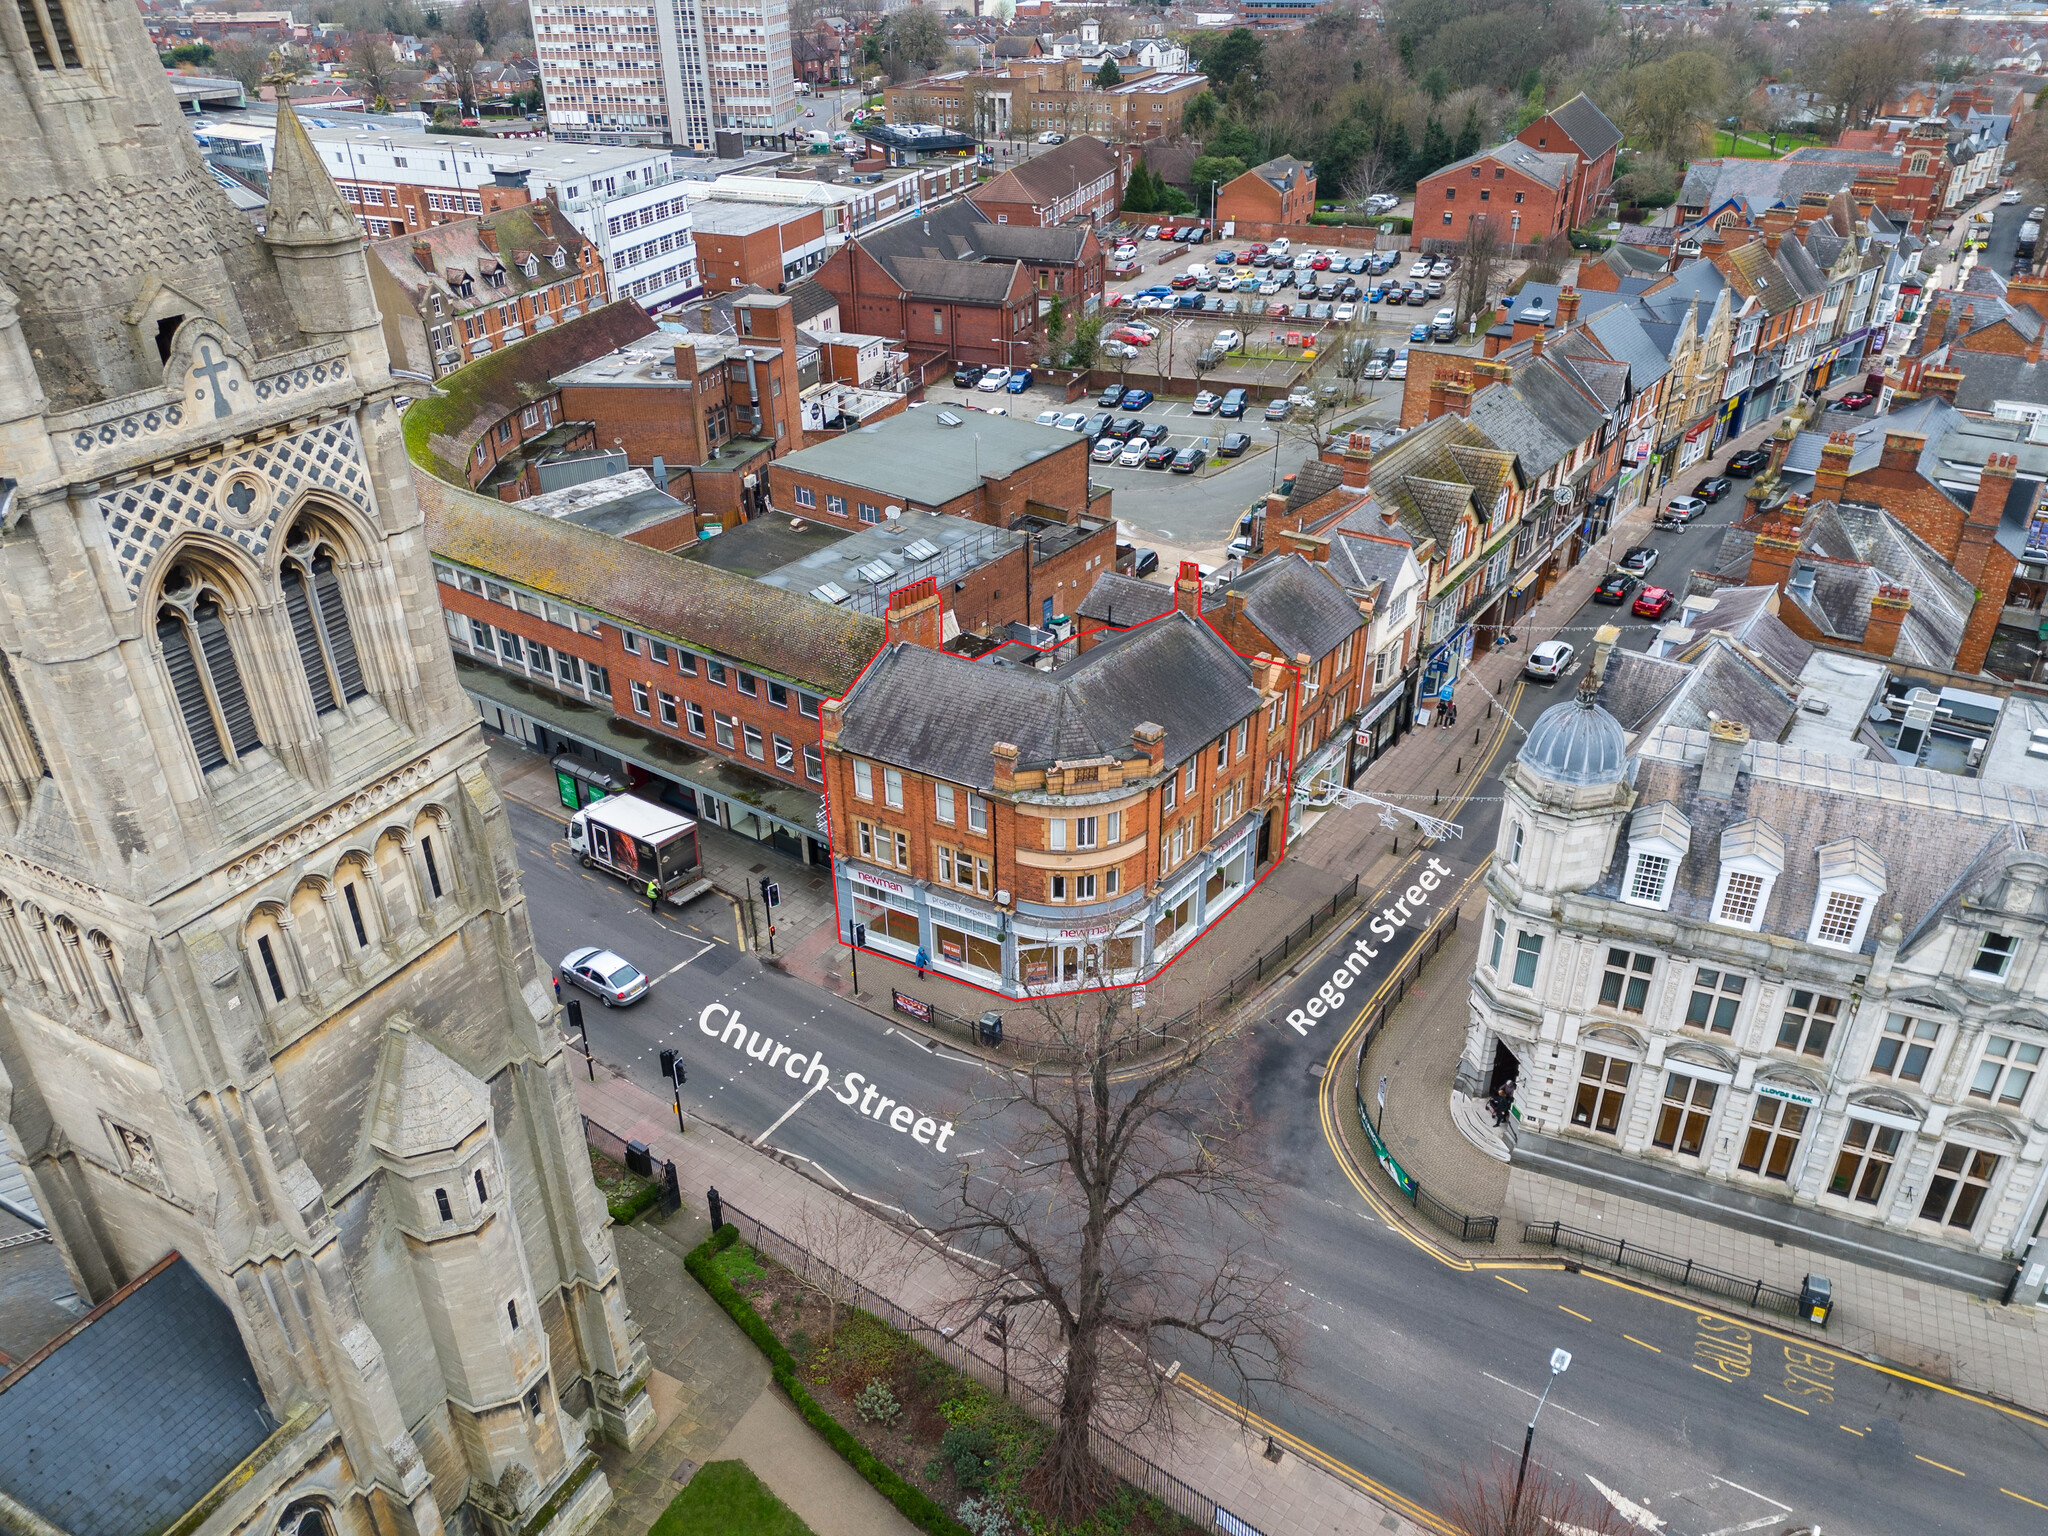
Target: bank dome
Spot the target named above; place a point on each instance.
(1576, 743)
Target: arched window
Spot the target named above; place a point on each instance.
(481, 1197)
(306, 1518)
(205, 678)
(320, 626)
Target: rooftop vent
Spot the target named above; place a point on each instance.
(948, 419)
(2037, 742)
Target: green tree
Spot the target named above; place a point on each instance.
(1141, 192)
(1469, 135)
(1435, 153)
(1201, 114)
(1108, 75)
(1398, 155)
(190, 53)
(1436, 84)
(1236, 52)
(1670, 102)
(1087, 342)
(1170, 199)
(1532, 106)
(476, 22)
(1216, 168)
(914, 41)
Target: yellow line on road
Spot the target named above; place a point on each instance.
(1930, 1461)
(1653, 1349)
(2023, 1498)
(1505, 1281)
(1807, 1342)
(1845, 1429)
(1715, 1374)
(1783, 1404)
(1316, 1457)
(1579, 1315)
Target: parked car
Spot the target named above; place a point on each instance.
(1249, 285)
(1639, 561)
(1072, 421)
(1419, 332)
(1614, 588)
(1548, 661)
(604, 975)
(1152, 233)
(1050, 137)
(1048, 418)
(1278, 409)
(967, 375)
(1144, 562)
(1375, 293)
(1188, 460)
(1185, 281)
(1420, 296)
(1133, 455)
(1398, 369)
(993, 380)
(1652, 603)
(1233, 444)
(1680, 510)
(1376, 367)
(1204, 404)
(1345, 313)
(1226, 341)
(1020, 381)
(1106, 450)
(1712, 488)
(1855, 400)
(1225, 258)
(1124, 428)
(1110, 397)
(1095, 425)
(1746, 463)
(1161, 457)
(1136, 399)
(1152, 432)
(1115, 348)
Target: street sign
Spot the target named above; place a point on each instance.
(1138, 995)
(1383, 1093)
(1560, 1361)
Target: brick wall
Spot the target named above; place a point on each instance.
(1058, 481)
(1500, 193)
(735, 261)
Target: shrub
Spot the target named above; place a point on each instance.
(984, 1517)
(800, 1346)
(876, 1404)
(969, 1452)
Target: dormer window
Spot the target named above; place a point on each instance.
(1658, 838)
(560, 259)
(1752, 858)
(1994, 955)
(1852, 877)
(531, 266)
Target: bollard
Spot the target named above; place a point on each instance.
(1489, 709)
(1459, 771)
(1397, 847)
(1436, 797)
(1475, 735)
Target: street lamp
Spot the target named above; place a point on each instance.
(1560, 1362)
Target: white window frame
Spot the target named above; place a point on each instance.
(1850, 890)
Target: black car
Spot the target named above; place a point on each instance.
(1746, 463)
(1095, 425)
(1161, 457)
(1614, 588)
(967, 375)
(1110, 397)
(1639, 561)
(1154, 432)
(1144, 562)
(1712, 489)
(1126, 428)
(1444, 333)
(1234, 443)
(1188, 460)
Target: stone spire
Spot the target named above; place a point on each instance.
(304, 207)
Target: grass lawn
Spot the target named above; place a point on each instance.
(725, 1499)
(1757, 146)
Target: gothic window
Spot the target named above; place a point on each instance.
(205, 677)
(481, 1196)
(441, 1204)
(320, 623)
(306, 1519)
(49, 34)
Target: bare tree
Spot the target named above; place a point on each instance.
(1482, 260)
(1495, 1500)
(462, 58)
(857, 1248)
(1371, 175)
(246, 62)
(1127, 1217)
(371, 63)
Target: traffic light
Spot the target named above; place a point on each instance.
(668, 1065)
(860, 935)
(771, 893)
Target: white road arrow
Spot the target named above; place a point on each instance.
(1626, 1507)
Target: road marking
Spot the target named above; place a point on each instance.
(1503, 1279)
(1579, 1315)
(1748, 1525)
(2023, 1498)
(1635, 1514)
(1845, 1429)
(799, 1104)
(664, 976)
(1754, 1494)
(1932, 1463)
(1527, 1393)
(1783, 1404)
(1653, 1349)
(1715, 1374)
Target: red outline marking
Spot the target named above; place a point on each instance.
(839, 930)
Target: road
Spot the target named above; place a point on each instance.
(1419, 1363)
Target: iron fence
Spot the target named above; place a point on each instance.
(620, 1151)
(957, 1346)
(1292, 944)
(1469, 1229)
(1618, 1251)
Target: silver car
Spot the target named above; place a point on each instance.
(605, 976)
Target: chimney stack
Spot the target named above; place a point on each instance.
(1605, 639)
(487, 236)
(1354, 459)
(1831, 480)
(1725, 741)
(1772, 555)
(1004, 774)
(1980, 527)
(1888, 610)
(1149, 741)
(1567, 306)
(915, 615)
(1187, 589)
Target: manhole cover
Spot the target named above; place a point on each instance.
(685, 1470)
(1317, 1070)
(757, 869)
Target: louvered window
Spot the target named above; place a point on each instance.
(226, 678)
(307, 634)
(320, 622)
(205, 678)
(49, 34)
(190, 691)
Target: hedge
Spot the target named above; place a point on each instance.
(625, 1210)
(917, 1507)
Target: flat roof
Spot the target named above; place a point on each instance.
(871, 563)
(718, 216)
(931, 455)
(651, 360)
(764, 543)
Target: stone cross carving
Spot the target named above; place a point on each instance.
(211, 368)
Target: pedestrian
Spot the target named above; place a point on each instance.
(923, 960)
(653, 896)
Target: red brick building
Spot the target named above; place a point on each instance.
(1282, 191)
(1081, 179)
(1582, 129)
(763, 245)
(915, 281)
(1527, 195)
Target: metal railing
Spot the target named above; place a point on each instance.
(1469, 1229)
(1618, 1251)
(956, 1346)
(661, 1174)
(1274, 959)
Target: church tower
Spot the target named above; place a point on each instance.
(268, 996)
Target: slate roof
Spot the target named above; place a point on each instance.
(1174, 672)
(1989, 377)
(457, 246)
(1033, 242)
(1315, 479)
(932, 277)
(809, 298)
(1366, 567)
(1761, 183)
(1119, 602)
(1296, 605)
(1279, 169)
(129, 1417)
(1047, 178)
(1537, 164)
(1587, 126)
(817, 644)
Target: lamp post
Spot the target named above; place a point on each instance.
(1560, 1362)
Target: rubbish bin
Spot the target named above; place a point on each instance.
(989, 1027)
(637, 1159)
(1816, 1299)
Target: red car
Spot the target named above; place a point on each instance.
(1185, 280)
(1320, 264)
(1256, 248)
(1855, 400)
(1652, 603)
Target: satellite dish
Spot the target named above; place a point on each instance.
(892, 511)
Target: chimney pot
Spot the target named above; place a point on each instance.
(1725, 741)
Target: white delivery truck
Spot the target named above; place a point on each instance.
(640, 841)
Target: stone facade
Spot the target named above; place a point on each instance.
(268, 996)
